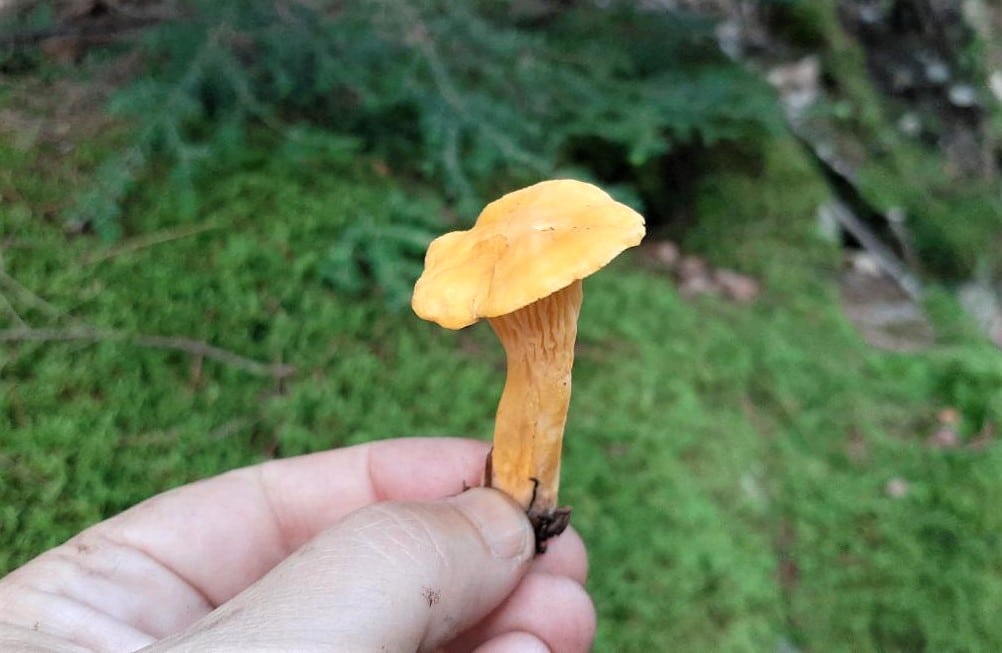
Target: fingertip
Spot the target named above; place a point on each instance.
(565, 555)
(516, 642)
(554, 609)
(576, 631)
(500, 521)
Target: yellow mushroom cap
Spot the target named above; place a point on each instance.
(524, 246)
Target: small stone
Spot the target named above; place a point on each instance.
(798, 83)
(995, 332)
(739, 287)
(828, 225)
(896, 488)
(948, 416)
(980, 301)
(896, 215)
(691, 267)
(963, 95)
(995, 84)
(870, 14)
(865, 263)
(665, 253)
(729, 39)
(694, 277)
(910, 124)
(695, 286)
(937, 72)
(944, 438)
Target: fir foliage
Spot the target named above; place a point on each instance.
(470, 96)
(383, 248)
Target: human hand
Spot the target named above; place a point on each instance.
(347, 550)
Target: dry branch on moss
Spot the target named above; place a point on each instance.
(190, 346)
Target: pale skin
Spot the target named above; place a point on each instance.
(366, 548)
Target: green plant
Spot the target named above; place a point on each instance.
(973, 384)
(469, 96)
(383, 250)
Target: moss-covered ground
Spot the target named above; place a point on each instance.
(728, 464)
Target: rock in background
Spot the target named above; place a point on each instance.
(898, 102)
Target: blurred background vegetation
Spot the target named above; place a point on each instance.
(783, 433)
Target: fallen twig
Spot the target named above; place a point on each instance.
(233, 427)
(186, 345)
(28, 296)
(32, 38)
(15, 316)
(148, 240)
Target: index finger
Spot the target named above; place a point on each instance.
(223, 533)
(169, 560)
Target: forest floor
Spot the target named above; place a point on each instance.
(749, 473)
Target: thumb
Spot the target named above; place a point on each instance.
(389, 577)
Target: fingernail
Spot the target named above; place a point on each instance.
(501, 523)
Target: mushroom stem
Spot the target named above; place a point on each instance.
(529, 428)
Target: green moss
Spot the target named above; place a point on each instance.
(762, 220)
(956, 223)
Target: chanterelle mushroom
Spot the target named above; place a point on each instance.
(521, 267)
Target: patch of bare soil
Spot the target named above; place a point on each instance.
(49, 117)
(63, 111)
(59, 111)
